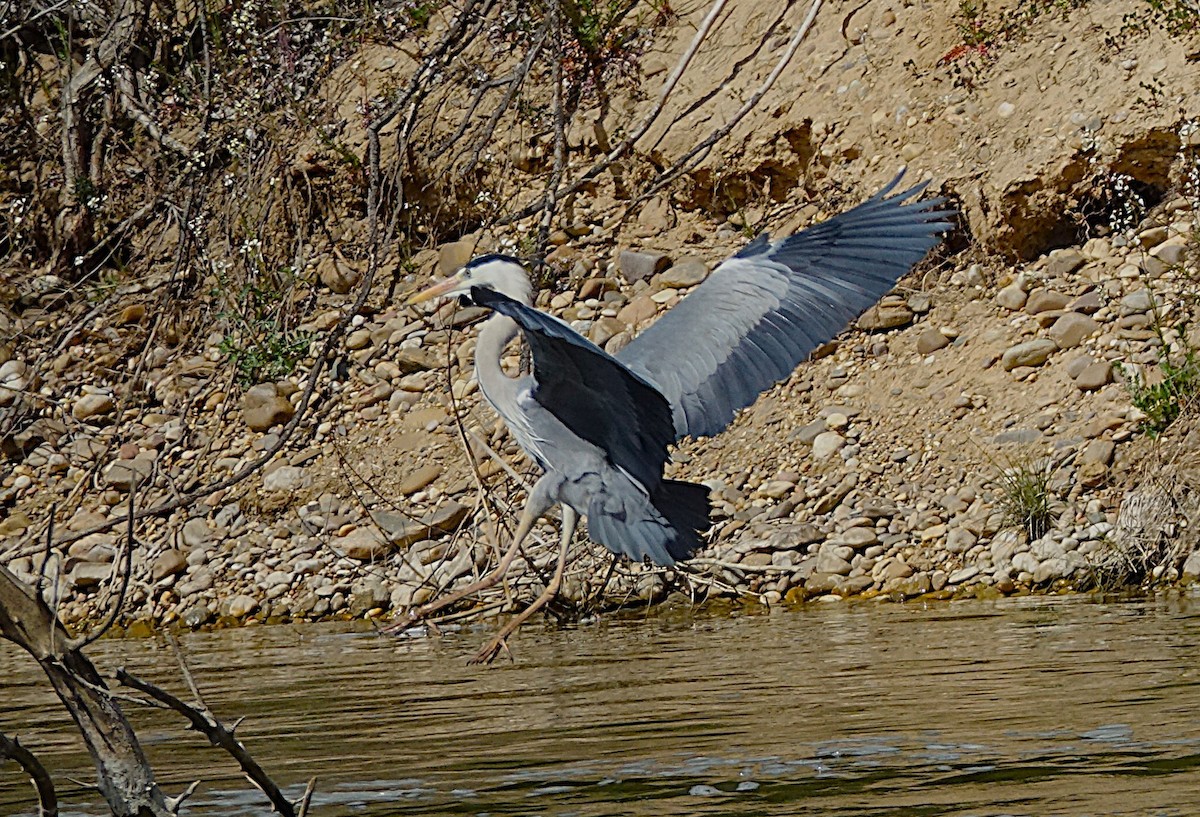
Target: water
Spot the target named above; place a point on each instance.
(1021, 707)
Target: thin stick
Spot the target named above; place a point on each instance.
(218, 735)
(11, 749)
(126, 568)
(685, 163)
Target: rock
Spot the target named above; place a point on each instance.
(263, 406)
(365, 544)
(1136, 303)
(285, 478)
(86, 575)
(369, 594)
(859, 538)
(1011, 297)
(14, 378)
(830, 562)
(453, 256)
(1030, 353)
(1094, 376)
(418, 479)
(1045, 300)
(818, 583)
(242, 605)
(1072, 329)
(402, 531)
(885, 316)
(963, 574)
(1092, 474)
(1088, 303)
(123, 473)
(1100, 451)
(916, 585)
(196, 533)
(1171, 252)
(1063, 262)
(338, 274)
(638, 310)
(686, 273)
(1191, 565)
(959, 540)
(930, 340)
(826, 444)
(195, 615)
(641, 266)
(411, 361)
(1024, 562)
(170, 562)
(93, 407)
(1055, 567)
(196, 582)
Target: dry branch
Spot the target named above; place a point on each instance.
(10, 749)
(124, 775)
(220, 736)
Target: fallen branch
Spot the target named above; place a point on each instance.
(203, 721)
(687, 161)
(10, 749)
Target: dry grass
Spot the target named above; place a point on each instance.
(1158, 525)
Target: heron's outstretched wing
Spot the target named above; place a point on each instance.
(591, 392)
(766, 309)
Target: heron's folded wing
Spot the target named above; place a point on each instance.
(766, 309)
(592, 393)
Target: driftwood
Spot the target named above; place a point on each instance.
(124, 776)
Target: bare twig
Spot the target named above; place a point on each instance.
(686, 162)
(132, 104)
(664, 93)
(218, 735)
(125, 568)
(10, 749)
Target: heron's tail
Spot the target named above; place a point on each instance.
(665, 526)
(685, 506)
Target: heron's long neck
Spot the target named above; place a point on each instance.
(497, 387)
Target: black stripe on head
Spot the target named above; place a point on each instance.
(495, 256)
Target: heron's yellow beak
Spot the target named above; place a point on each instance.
(438, 290)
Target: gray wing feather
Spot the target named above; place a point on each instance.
(592, 393)
(766, 309)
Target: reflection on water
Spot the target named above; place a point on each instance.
(1022, 707)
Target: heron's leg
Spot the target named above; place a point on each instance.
(569, 520)
(533, 511)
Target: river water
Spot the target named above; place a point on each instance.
(1027, 706)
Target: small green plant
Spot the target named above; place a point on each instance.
(419, 13)
(264, 351)
(1026, 496)
(260, 344)
(1163, 401)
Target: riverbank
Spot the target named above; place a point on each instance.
(1016, 417)
(974, 435)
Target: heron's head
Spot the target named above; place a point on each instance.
(502, 273)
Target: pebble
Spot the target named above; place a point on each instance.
(826, 444)
(930, 340)
(92, 407)
(1071, 329)
(264, 406)
(641, 266)
(1031, 353)
(885, 316)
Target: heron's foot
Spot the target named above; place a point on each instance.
(400, 625)
(414, 618)
(487, 654)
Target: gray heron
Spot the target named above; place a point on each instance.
(600, 425)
